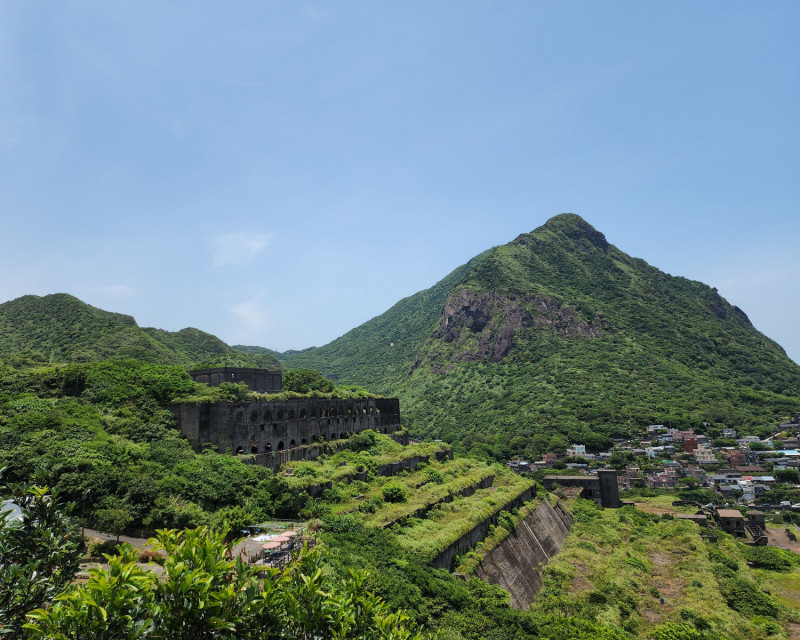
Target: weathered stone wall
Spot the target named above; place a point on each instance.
(466, 542)
(516, 564)
(260, 380)
(265, 427)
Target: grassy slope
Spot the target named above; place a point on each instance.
(617, 564)
(64, 329)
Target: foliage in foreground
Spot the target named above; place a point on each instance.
(38, 555)
(207, 593)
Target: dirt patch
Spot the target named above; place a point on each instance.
(779, 538)
(671, 589)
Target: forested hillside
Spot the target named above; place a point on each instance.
(63, 329)
(560, 336)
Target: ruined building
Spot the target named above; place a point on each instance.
(262, 427)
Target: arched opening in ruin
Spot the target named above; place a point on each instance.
(281, 446)
(239, 450)
(315, 438)
(292, 444)
(261, 426)
(239, 417)
(268, 416)
(291, 414)
(322, 413)
(303, 441)
(280, 414)
(313, 413)
(333, 412)
(254, 416)
(254, 449)
(268, 447)
(303, 414)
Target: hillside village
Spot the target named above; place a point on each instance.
(730, 470)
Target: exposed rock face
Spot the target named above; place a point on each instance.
(496, 320)
(724, 310)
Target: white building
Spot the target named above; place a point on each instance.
(704, 455)
(577, 450)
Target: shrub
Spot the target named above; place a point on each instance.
(394, 492)
(770, 558)
(97, 549)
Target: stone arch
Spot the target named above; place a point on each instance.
(303, 413)
(281, 446)
(313, 413)
(268, 416)
(239, 417)
(239, 450)
(280, 414)
(292, 444)
(254, 416)
(268, 447)
(261, 426)
(333, 412)
(303, 441)
(254, 449)
(291, 414)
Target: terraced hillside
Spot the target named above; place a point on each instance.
(433, 506)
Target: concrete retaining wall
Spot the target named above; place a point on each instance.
(466, 542)
(516, 564)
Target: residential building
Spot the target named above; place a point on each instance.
(576, 450)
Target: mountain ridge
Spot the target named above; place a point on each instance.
(63, 328)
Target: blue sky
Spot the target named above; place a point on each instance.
(278, 173)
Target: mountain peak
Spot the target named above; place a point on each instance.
(566, 225)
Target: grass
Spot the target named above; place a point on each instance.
(616, 565)
(345, 465)
(471, 560)
(448, 522)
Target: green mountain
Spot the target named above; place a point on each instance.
(559, 336)
(64, 329)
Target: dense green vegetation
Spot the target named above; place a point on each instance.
(99, 434)
(201, 591)
(560, 337)
(61, 328)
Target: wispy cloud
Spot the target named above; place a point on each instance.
(236, 249)
(254, 317)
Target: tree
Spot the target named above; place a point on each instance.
(38, 555)
(306, 381)
(113, 521)
(206, 593)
